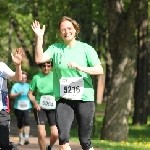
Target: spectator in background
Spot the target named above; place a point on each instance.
(22, 108)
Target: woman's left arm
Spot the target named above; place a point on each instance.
(17, 76)
(96, 70)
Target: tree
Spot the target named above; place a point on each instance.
(141, 102)
(122, 51)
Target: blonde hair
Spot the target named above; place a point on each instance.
(74, 23)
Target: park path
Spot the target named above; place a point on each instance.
(33, 137)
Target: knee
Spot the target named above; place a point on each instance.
(54, 135)
(19, 125)
(54, 132)
(42, 134)
(26, 122)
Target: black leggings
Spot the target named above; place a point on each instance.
(84, 112)
(4, 128)
(22, 117)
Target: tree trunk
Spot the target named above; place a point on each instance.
(141, 103)
(19, 35)
(121, 46)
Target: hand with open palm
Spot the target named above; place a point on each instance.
(37, 30)
(17, 58)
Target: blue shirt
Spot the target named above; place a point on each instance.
(22, 102)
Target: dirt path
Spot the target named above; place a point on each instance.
(33, 137)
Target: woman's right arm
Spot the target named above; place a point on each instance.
(40, 57)
(33, 100)
(31, 97)
(14, 95)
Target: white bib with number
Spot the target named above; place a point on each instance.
(71, 88)
(1, 103)
(23, 105)
(47, 102)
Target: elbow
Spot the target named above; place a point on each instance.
(11, 96)
(18, 79)
(29, 95)
(100, 70)
(38, 61)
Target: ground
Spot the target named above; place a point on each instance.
(33, 137)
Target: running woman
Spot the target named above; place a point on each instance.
(22, 108)
(44, 104)
(73, 63)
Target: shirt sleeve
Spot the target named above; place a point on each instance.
(13, 89)
(50, 51)
(92, 56)
(7, 71)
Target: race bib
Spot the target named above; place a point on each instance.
(71, 88)
(1, 103)
(47, 102)
(23, 105)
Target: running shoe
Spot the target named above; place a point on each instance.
(26, 142)
(20, 141)
(48, 148)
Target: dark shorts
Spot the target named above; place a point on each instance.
(22, 117)
(45, 115)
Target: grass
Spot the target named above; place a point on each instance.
(138, 136)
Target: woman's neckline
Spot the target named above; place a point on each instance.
(68, 47)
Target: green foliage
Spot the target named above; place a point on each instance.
(48, 13)
(4, 8)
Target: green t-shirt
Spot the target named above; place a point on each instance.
(42, 85)
(83, 54)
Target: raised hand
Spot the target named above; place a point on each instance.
(17, 58)
(37, 30)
